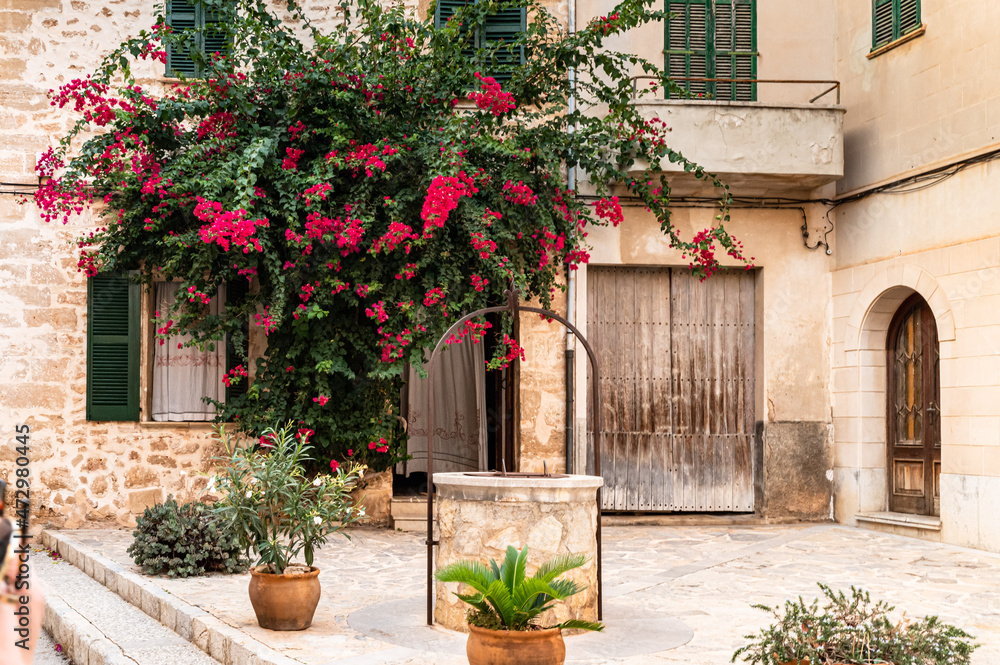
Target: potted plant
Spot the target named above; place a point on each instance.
(506, 603)
(279, 513)
(852, 630)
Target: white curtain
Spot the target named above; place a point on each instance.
(459, 383)
(182, 377)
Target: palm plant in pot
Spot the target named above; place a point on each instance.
(506, 604)
(279, 513)
(853, 630)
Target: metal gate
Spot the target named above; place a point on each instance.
(677, 385)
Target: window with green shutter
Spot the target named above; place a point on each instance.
(504, 26)
(893, 19)
(211, 38)
(713, 39)
(112, 348)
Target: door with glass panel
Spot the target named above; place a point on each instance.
(914, 417)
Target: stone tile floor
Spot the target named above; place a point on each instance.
(705, 577)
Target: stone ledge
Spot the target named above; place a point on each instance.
(216, 638)
(924, 522)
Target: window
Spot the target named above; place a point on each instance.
(177, 378)
(183, 15)
(503, 27)
(713, 39)
(893, 19)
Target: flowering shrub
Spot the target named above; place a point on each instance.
(370, 185)
(270, 504)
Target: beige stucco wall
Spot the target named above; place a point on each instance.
(924, 102)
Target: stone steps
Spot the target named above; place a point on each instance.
(409, 513)
(141, 607)
(94, 626)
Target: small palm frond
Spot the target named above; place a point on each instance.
(476, 600)
(529, 592)
(558, 565)
(472, 573)
(509, 566)
(499, 597)
(565, 588)
(580, 624)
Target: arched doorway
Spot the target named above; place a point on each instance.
(913, 417)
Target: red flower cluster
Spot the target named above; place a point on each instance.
(442, 197)
(478, 283)
(321, 400)
(291, 162)
(609, 210)
(238, 371)
(492, 98)
(220, 125)
(381, 446)
(519, 193)
(377, 311)
(229, 227)
(604, 23)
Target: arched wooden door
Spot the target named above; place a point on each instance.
(914, 417)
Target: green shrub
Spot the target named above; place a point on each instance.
(183, 541)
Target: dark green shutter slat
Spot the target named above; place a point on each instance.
(909, 16)
(501, 28)
(180, 16)
(112, 348)
(236, 292)
(882, 22)
(445, 10)
(215, 38)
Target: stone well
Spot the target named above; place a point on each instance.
(479, 516)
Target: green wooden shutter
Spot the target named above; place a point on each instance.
(236, 292)
(214, 37)
(444, 11)
(892, 19)
(687, 40)
(181, 15)
(112, 348)
(735, 48)
(501, 28)
(909, 16)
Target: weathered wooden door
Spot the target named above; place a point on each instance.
(913, 418)
(676, 357)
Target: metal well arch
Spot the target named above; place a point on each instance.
(514, 307)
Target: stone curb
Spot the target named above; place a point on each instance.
(81, 641)
(218, 639)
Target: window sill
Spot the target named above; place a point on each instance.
(899, 42)
(179, 424)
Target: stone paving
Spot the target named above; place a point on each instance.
(698, 579)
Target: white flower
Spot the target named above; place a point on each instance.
(317, 482)
(183, 472)
(211, 484)
(317, 520)
(249, 494)
(361, 512)
(253, 481)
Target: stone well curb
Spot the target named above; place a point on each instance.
(218, 639)
(81, 641)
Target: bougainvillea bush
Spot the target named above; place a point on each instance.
(369, 184)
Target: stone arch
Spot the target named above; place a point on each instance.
(865, 344)
(883, 294)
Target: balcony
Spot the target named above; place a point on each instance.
(763, 148)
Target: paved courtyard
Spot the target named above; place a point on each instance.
(672, 594)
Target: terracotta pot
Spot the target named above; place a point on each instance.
(515, 647)
(284, 602)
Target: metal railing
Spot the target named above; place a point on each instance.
(834, 85)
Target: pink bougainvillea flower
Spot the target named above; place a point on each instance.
(322, 399)
(334, 465)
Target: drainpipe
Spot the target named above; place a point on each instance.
(571, 287)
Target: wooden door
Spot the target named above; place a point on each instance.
(676, 358)
(913, 417)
